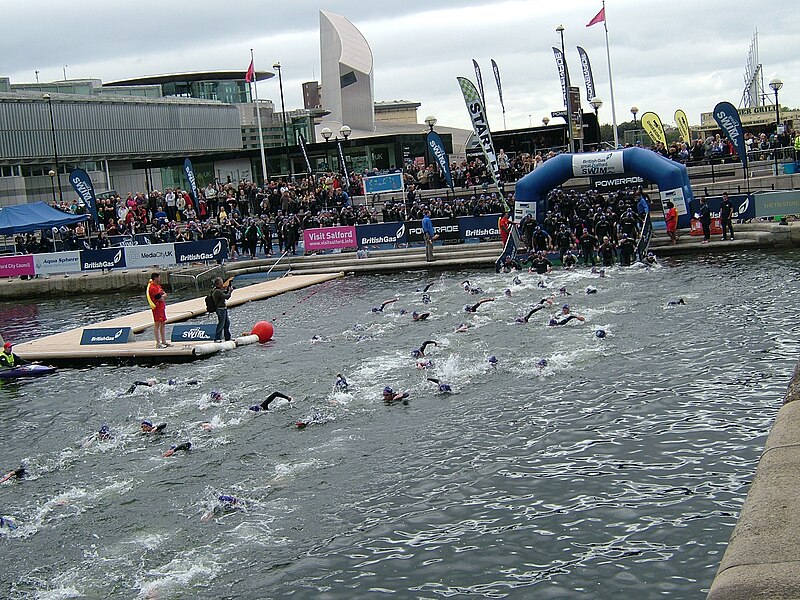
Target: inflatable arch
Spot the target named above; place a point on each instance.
(670, 176)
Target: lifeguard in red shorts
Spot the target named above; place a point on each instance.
(156, 299)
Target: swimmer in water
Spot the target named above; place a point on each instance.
(600, 333)
(468, 287)
(507, 293)
(104, 433)
(148, 427)
(426, 298)
(525, 319)
(147, 383)
(420, 352)
(679, 301)
(565, 317)
(462, 327)
(390, 396)
(541, 363)
(444, 388)
(516, 280)
(315, 418)
(474, 307)
(184, 447)
(492, 360)
(426, 288)
(18, 473)
(591, 290)
(420, 316)
(562, 291)
(650, 260)
(600, 272)
(224, 504)
(216, 396)
(6, 522)
(265, 404)
(383, 305)
(424, 363)
(341, 384)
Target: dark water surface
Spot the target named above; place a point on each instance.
(618, 469)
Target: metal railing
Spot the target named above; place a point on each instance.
(189, 279)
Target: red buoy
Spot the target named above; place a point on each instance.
(264, 331)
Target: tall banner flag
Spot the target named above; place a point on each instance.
(437, 149)
(727, 117)
(251, 72)
(683, 125)
(561, 64)
(303, 149)
(187, 168)
(499, 90)
(654, 127)
(479, 79)
(82, 184)
(480, 126)
(586, 67)
(599, 17)
(343, 164)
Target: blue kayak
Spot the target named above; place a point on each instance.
(26, 371)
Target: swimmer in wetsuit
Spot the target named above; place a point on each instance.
(444, 388)
(420, 352)
(6, 522)
(341, 384)
(135, 384)
(679, 301)
(474, 307)
(562, 291)
(390, 396)
(148, 427)
(525, 319)
(18, 473)
(420, 316)
(185, 447)
(507, 293)
(225, 503)
(315, 418)
(468, 287)
(426, 288)
(565, 317)
(492, 360)
(383, 305)
(265, 404)
(462, 327)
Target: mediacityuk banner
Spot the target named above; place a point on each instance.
(437, 149)
(82, 184)
(654, 127)
(187, 167)
(683, 125)
(586, 67)
(561, 65)
(727, 117)
(329, 238)
(480, 125)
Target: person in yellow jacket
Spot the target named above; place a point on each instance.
(155, 298)
(796, 145)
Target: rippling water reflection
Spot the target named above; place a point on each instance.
(618, 468)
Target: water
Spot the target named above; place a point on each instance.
(618, 468)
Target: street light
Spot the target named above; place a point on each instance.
(545, 121)
(277, 67)
(430, 121)
(776, 84)
(345, 131)
(49, 101)
(596, 104)
(53, 183)
(560, 30)
(634, 110)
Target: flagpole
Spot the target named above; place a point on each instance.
(610, 80)
(254, 84)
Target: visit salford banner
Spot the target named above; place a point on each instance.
(654, 127)
(561, 65)
(329, 238)
(437, 149)
(727, 117)
(480, 125)
(683, 125)
(586, 67)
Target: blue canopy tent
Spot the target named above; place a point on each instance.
(24, 218)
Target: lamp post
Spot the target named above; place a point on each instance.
(345, 132)
(545, 121)
(560, 30)
(49, 101)
(53, 183)
(634, 111)
(277, 67)
(596, 104)
(776, 84)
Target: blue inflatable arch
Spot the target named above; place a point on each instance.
(670, 176)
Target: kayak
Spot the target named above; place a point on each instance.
(26, 371)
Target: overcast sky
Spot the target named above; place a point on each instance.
(666, 54)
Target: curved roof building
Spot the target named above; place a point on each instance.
(347, 72)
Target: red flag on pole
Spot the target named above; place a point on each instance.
(598, 18)
(251, 73)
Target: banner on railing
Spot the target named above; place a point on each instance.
(15, 266)
(193, 333)
(201, 250)
(57, 262)
(329, 238)
(381, 233)
(154, 255)
(139, 239)
(479, 227)
(107, 258)
(106, 335)
(446, 229)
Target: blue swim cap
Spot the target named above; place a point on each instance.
(227, 498)
(403, 311)
(542, 363)
(600, 333)
(492, 359)
(104, 430)
(565, 306)
(553, 322)
(172, 382)
(146, 423)
(415, 314)
(215, 395)
(388, 390)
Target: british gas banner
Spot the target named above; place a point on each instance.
(381, 233)
(683, 125)
(597, 163)
(201, 250)
(561, 65)
(480, 125)
(153, 255)
(57, 262)
(329, 238)
(107, 258)
(187, 168)
(586, 67)
(654, 127)
(727, 117)
(82, 184)
(446, 229)
(437, 149)
(485, 226)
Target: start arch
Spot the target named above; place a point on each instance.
(671, 177)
